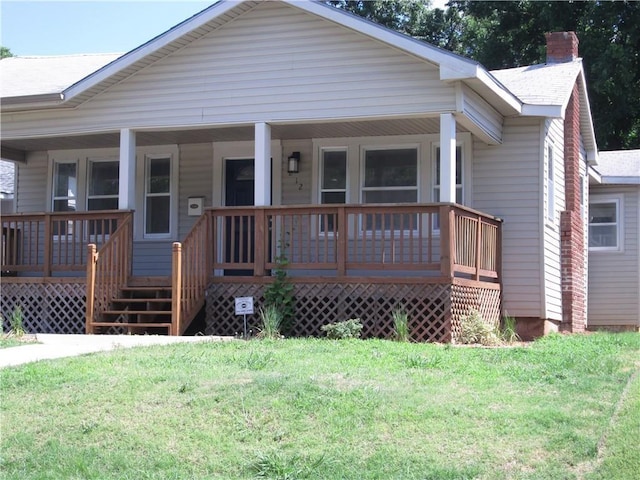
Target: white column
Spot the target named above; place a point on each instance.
(127, 179)
(262, 183)
(447, 158)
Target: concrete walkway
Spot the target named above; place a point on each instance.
(52, 346)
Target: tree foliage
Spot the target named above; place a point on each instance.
(5, 52)
(511, 34)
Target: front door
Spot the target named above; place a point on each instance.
(239, 230)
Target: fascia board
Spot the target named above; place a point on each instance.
(31, 101)
(606, 180)
(551, 111)
(151, 46)
(594, 175)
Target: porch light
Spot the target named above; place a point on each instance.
(293, 162)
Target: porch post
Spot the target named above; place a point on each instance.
(262, 183)
(127, 178)
(447, 158)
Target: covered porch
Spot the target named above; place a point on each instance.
(437, 261)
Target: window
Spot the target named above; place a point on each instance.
(333, 182)
(459, 176)
(103, 185)
(551, 189)
(604, 225)
(157, 201)
(65, 194)
(103, 180)
(390, 176)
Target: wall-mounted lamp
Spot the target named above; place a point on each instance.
(293, 162)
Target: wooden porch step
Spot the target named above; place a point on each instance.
(152, 282)
(137, 312)
(141, 300)
(133, 325)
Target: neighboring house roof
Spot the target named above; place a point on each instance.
(26, 76)
(7, 179)
(619, 167)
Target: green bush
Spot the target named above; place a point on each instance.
(351, 328)
(474, 329)
(271, 320)
(508, 331)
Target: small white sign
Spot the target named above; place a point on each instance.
(244, 306)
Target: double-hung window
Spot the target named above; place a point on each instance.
(333, 182)
(65, 193)
(604, 225)
(157, 197)
(390, 175)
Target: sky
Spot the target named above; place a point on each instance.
(91, 26)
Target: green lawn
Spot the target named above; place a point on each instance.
(320, 409)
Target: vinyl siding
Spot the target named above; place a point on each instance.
(31, 184)
(554, 137)
(479, 113)
(506, 183)
(614, 278)
(195, 180)
(274, 63)
(297, 188)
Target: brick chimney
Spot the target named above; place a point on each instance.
(561, 47)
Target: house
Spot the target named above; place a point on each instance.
(156, 187)
(614, 249)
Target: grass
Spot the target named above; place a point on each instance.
(322, 409)
(8, 340)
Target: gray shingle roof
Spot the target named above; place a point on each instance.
(21, 76)
(545, 84)
(619, 166)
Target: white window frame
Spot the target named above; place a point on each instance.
(550, 176)
(172, 194)
(619, 224)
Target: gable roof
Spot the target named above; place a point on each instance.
(452, 67)
(619, 167)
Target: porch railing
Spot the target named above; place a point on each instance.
(443, 240)
(45, 243)
(108, 270)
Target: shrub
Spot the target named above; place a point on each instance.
(508, 332)
(351, 328)
(17, 322)
(401, 324)
(271, 319)
(474, 329)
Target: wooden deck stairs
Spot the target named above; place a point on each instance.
(139, 309)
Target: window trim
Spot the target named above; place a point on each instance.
(146, 162)
(617, 200)
(550, 183)
(322, 190)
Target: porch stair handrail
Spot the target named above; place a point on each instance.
(191, 271)
(108, 270)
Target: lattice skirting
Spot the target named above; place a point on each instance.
(465, 299)
(46, 307)
(430, 307)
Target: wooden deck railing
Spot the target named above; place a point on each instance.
(190, 274)
(44, 243)
(108, 270)
(338, 240)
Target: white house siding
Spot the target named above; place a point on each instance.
(552, 281)
(614, 278)
(477, 110)
(506, 183)
(273, 63)
(196, 180)
(297, 188)
(31, 184)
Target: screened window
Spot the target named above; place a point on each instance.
(103, 185)
(333, 183)
(158, 197)
(604, 225)
(459, 176)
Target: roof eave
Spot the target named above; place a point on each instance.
(31, 101)
(617, 180)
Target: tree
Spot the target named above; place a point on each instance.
(511, 34)
(5, 52)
